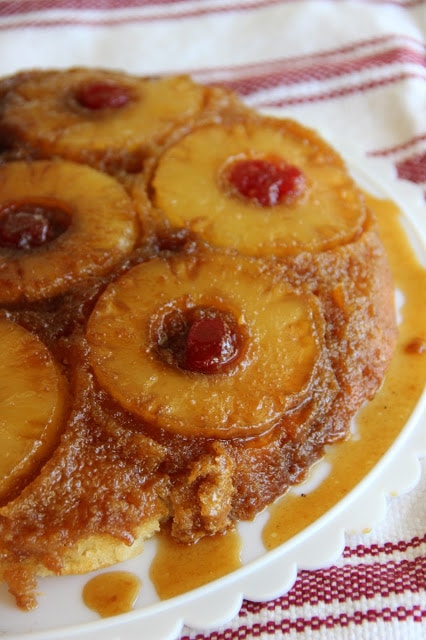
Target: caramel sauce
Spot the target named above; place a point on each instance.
(178, 568)
(416, 345)
(382, 419)
(112, 593)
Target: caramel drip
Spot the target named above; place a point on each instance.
(178, 568)
(382, 419)
(111, 593)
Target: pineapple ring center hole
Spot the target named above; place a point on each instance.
(25, 225)
(201, 339)
(266, 181)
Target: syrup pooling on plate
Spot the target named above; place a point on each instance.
(112, 593)
(178, 568)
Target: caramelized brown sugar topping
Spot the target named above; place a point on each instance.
(207, 303)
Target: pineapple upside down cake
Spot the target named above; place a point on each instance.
(194, 302)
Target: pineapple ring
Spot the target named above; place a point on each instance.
(33, 400)
(190, 187)
(246, 399)
(98, 235)
(45, 113)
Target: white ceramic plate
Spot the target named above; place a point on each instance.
(264, 575)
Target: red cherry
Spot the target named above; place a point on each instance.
(210, 345)
(102, 95)
(266, 182)
(28, 226)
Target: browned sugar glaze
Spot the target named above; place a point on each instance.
(350, 460)
(178, 568)
(129, 460)
(378, 423)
